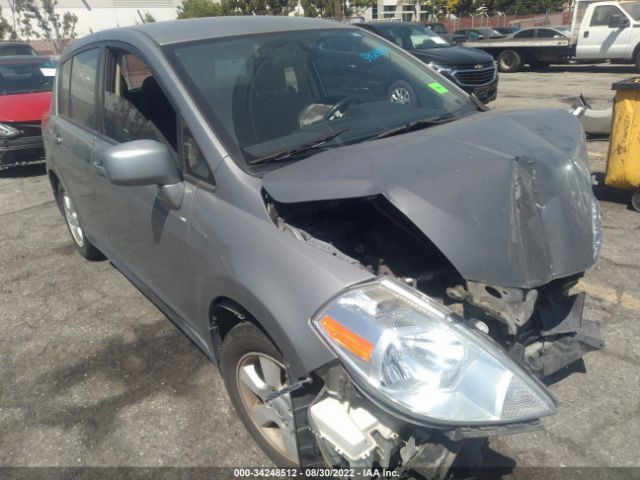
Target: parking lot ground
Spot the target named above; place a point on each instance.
(91, 373)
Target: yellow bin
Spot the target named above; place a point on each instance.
(623, 163)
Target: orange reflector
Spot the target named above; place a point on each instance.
(348, 339)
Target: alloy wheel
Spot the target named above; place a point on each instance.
(400, 95)
(258, 375)
(72, 219)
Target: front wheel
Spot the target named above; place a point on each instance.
(509, 61)
(253, 368)
(636, 60)
(403, 93)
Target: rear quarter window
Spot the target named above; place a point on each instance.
(82, 91)
(64, 77)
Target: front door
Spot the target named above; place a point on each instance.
(148, 239)
(598, 41)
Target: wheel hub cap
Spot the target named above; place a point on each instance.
(72, 219)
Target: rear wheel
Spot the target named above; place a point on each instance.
(80, 240)
(509, 61)
(253, 368)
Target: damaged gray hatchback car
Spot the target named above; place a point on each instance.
(381, 268)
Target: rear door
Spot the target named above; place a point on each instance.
(596, 40)
(74, 131)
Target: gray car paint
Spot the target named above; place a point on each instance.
(221, 243)
(512, 208)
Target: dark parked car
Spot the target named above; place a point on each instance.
(25, 96)
(16, 48)
(476, 34)
(507, 30)
(441, 30)
(260, 181)
(471, 69)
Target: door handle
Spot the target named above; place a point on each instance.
(99, 167)
(586, 34)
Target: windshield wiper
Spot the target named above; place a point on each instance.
(413, 126)
(290, 152)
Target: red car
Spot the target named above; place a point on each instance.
(25, 95)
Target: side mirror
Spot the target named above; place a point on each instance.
(618, 21)
(140, 162)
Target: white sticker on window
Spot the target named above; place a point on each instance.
(438, 40)
(48, 72)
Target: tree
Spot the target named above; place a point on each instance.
(48, 24)
(200, 8)
(4, 26)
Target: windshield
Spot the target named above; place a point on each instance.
(26, 75)
(268, 93)
(416, 37)
(632, 8)
(438, 28)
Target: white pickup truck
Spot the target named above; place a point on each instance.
(600, 31)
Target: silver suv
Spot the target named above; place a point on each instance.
(380, 267)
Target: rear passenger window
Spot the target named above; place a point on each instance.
(82, 96)
(63, 87)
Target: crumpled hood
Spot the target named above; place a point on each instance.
(506, 196)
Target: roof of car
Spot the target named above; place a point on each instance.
(194, 29)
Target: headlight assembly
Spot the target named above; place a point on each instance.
(444, 70)
(7, 131)
(420, 359)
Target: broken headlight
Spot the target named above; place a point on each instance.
(420, 359)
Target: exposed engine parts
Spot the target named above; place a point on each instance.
(513, 306)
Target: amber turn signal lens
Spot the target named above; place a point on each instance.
(347, 339)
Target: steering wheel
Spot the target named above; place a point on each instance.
(340, 107)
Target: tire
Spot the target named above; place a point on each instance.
(509, 61)
(635, 200)
(403, 93)
(245, 354)
(78, 237)
(636, 61)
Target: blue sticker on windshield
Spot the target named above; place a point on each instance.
(375, 53)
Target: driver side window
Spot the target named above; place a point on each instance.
(602, 15)
(135, 105)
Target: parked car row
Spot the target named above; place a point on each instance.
(311, 203)
(26, 82)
